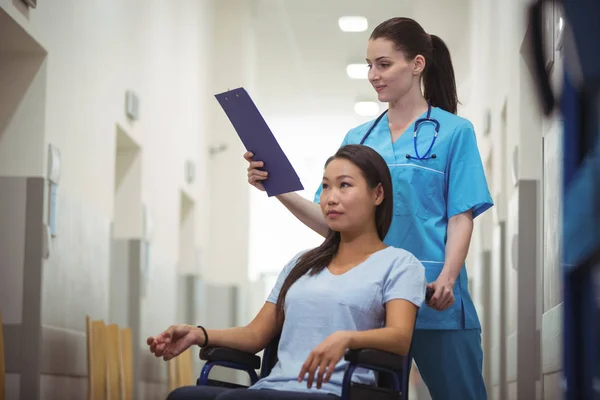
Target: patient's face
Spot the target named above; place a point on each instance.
(347, 201)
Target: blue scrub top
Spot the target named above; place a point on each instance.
(426, 194)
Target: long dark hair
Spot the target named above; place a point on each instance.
(375, 171)
(438, 77)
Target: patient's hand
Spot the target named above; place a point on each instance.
(325, 357)
(173, 341)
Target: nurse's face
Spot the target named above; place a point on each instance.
(390, 72)
(347, 202)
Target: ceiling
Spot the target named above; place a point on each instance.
(301, 54)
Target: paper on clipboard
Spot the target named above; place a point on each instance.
(258, 138)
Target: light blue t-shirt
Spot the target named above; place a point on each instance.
(319, 305)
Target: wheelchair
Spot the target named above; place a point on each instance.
(393, 370)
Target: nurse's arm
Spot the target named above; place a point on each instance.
(396, 336)
(308, 212)
(460, 229)
(251, 338)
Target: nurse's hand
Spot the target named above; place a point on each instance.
(255, 175)
(443, 297)
(323, 359)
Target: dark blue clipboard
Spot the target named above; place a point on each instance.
(258, 138)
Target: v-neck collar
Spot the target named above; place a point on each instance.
(359, 264)
(408, 132)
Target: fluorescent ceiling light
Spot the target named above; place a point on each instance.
(353, 24)
(358, 71)
(366, 108)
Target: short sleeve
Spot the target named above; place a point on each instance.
(466, 183)
(274, 295)
(317, 198)
(406, 281)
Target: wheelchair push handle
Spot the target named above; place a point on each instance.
(428, 294)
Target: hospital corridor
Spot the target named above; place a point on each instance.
(127, 206)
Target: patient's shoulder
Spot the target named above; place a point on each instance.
(292, 263)
(402, 260)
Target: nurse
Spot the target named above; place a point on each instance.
(439, 188)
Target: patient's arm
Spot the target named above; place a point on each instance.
(251, 338)
(396, 336)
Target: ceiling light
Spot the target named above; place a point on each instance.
(366, 108)
(357, 71)
(353, 24)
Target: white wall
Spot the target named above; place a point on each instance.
(230, 64)
(95, 52)
(501, 84)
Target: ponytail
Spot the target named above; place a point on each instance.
(438, 79)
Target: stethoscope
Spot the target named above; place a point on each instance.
(418, 123)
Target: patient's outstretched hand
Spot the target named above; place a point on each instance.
(173, 341)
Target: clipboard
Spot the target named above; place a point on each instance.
(256, 136)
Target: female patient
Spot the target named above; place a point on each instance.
(350, 292)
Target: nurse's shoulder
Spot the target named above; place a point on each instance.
(452, 124)
(355, 135)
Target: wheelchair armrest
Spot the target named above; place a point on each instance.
(375, 358)
(230, 355)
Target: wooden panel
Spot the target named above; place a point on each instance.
(181, 370)
(96, 344)
(185, 369)
(127, 363)
(113, 353)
